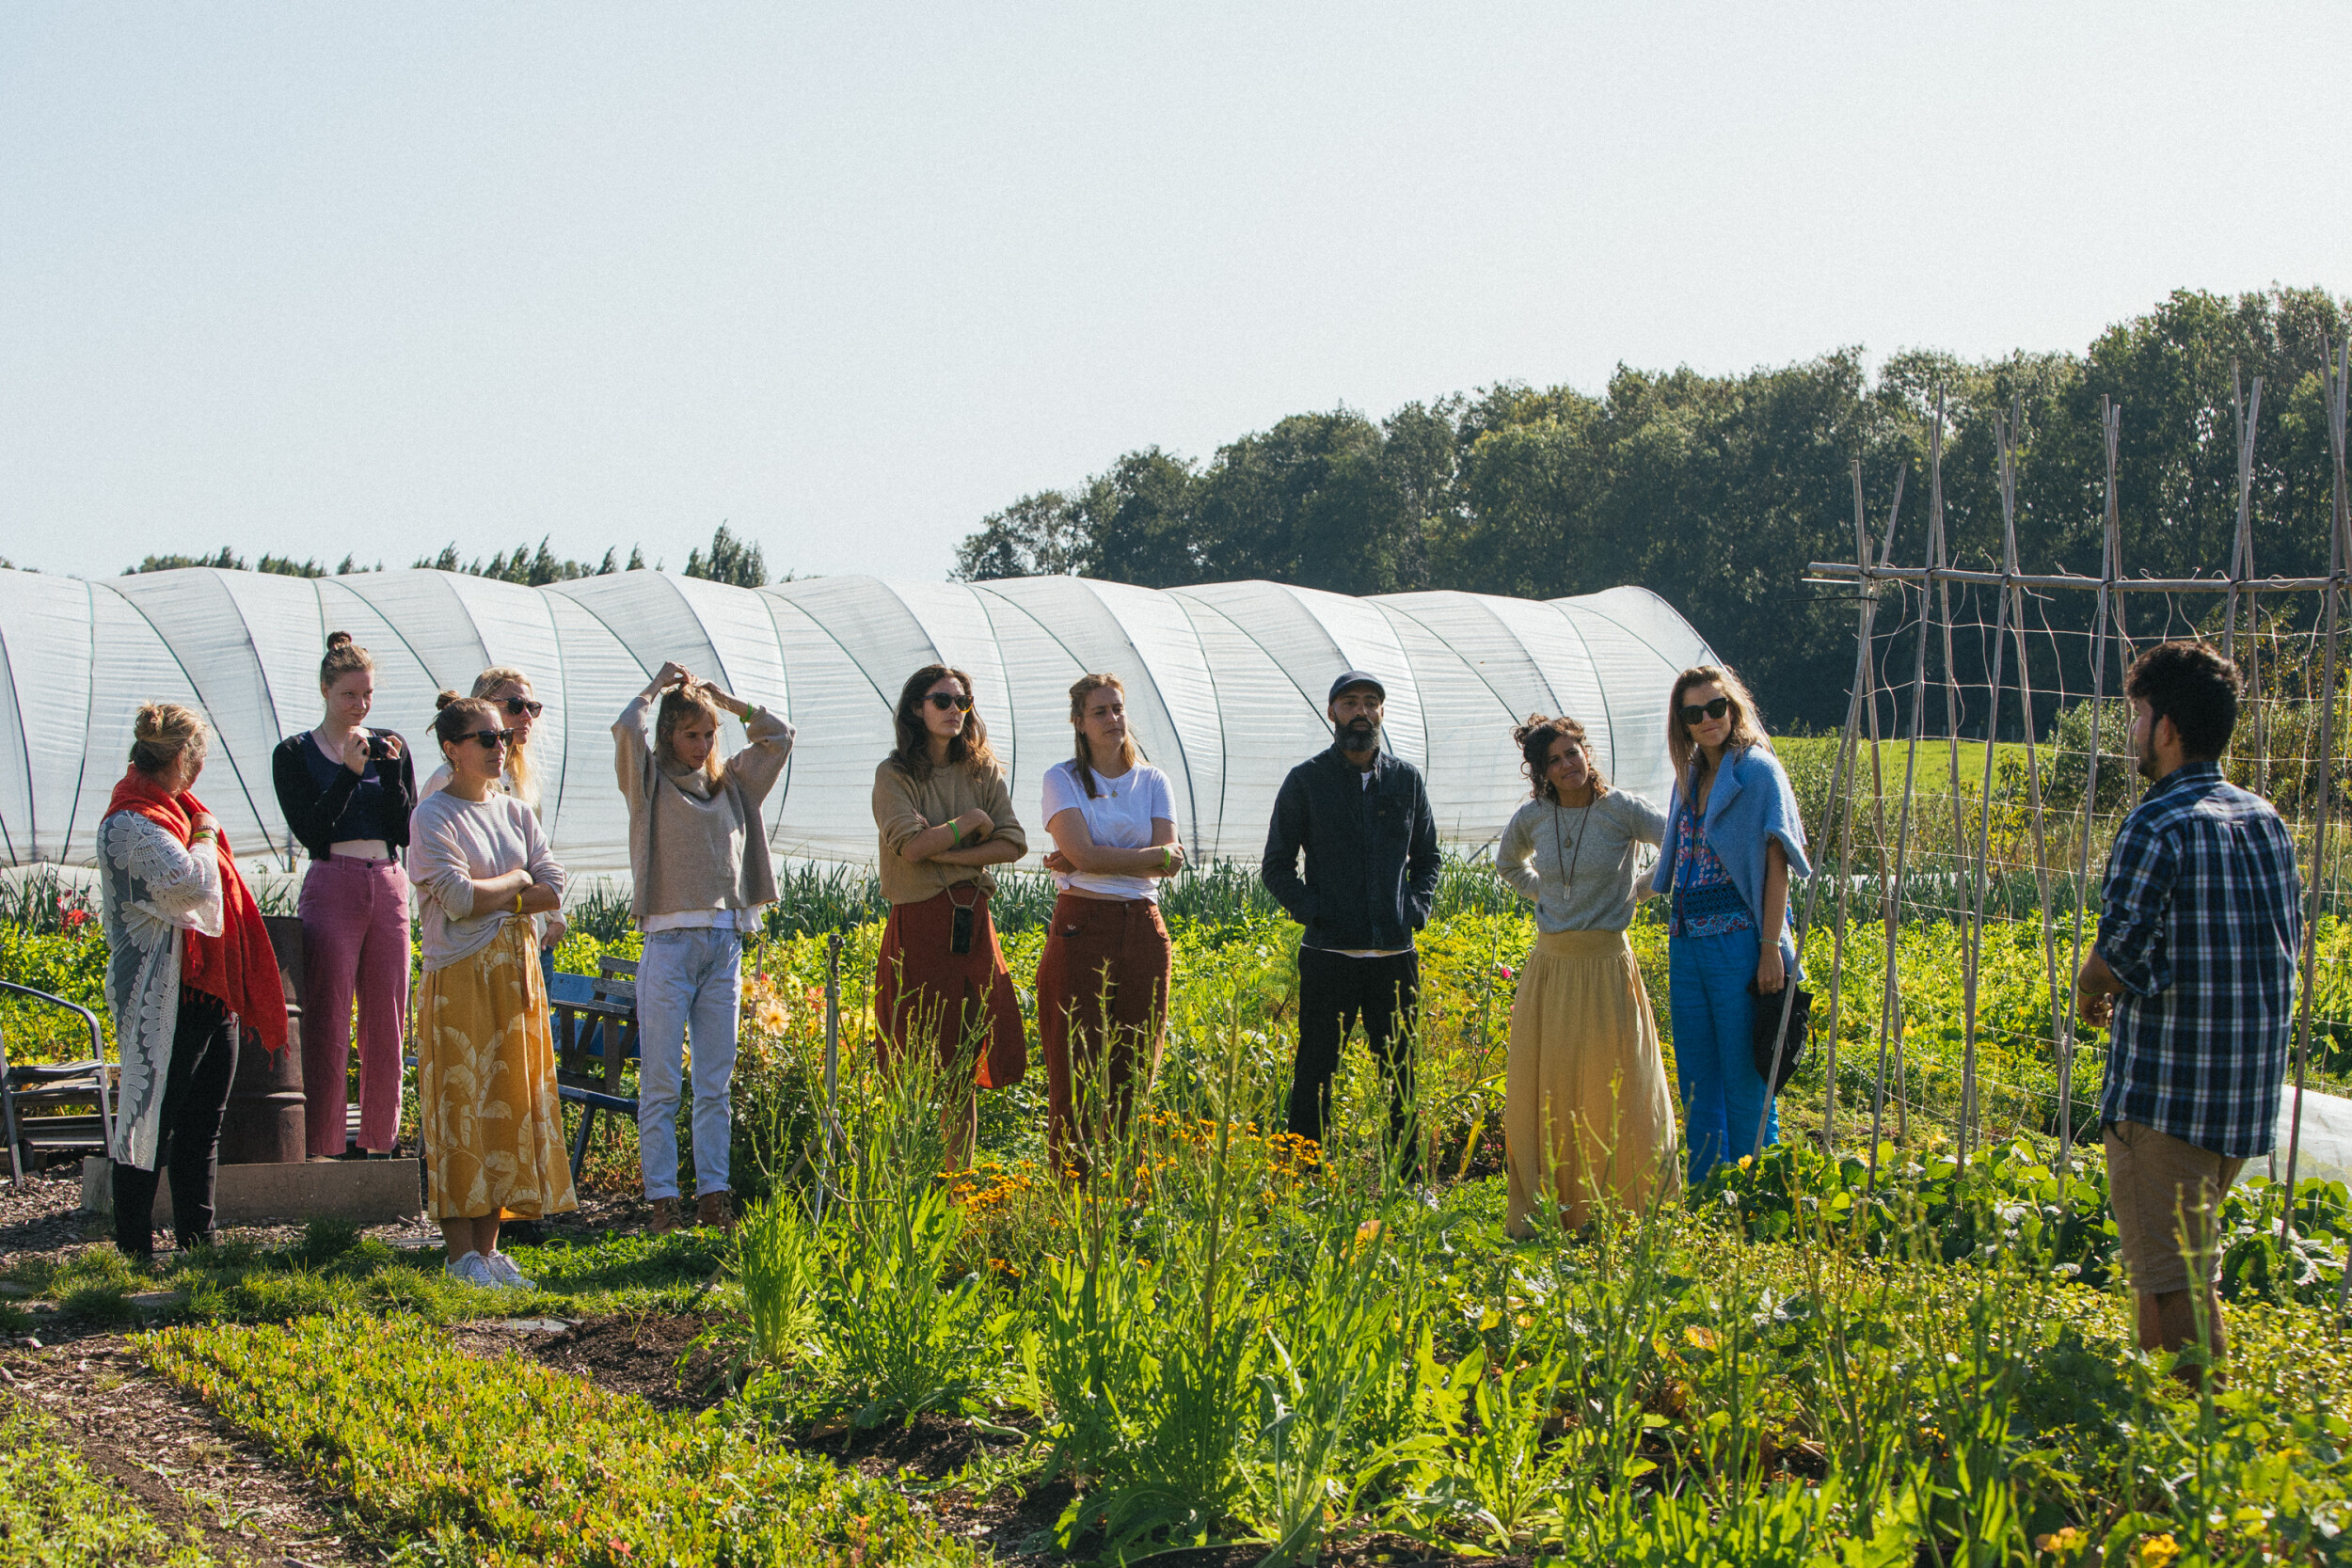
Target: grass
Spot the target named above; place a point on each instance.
(54, 1513)
(505, 1463)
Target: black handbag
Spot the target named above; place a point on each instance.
(1766, 1035)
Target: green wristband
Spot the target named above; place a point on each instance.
(955, 835)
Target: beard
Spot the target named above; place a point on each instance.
(2147, 759)
(1360, 735)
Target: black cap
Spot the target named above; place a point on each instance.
(1355, 677)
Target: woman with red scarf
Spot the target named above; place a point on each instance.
(189, 969)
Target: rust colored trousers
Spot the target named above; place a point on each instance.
(925, 994)
(1102, 1009)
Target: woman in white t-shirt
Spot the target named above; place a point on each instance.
(1102, 984)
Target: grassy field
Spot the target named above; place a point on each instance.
(1819, 1360)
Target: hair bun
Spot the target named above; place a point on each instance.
(445, 699)
(150, 723)
(337, 640)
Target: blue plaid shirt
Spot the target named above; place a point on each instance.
(2201, 920)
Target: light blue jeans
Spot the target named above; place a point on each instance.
(1714, 1026)
(686, 979)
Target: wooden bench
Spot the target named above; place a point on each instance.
(593, 1019)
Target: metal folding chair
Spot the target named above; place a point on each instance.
(44, 1087)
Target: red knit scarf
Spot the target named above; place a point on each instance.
(238, 966)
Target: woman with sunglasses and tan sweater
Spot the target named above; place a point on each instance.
(945, 815)
(1733, 840)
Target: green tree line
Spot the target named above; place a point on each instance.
(730, 559)
(1715, 491)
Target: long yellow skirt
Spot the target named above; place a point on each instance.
(1585, 1112)
(485, 1086)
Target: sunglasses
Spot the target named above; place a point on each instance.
(1694, 712)
(491, 739)
(517, 707)
(943, 701)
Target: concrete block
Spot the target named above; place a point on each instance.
(365, 1192)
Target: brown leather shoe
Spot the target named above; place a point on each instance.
(716, 1209)
(666, 1217)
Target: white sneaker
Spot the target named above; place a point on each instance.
(474, 1269)
(504, 1273)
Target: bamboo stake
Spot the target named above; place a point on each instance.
(2249, 412)
(1972, 958)
(2111, 418)
(1902, 861)
(1969, 577)
(1938, 558)
(2009, 441)
(1889, 1012)
(1865, 688)
(1838, 789)
(2339, 544)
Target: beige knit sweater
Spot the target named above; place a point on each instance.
(904, 806)
(693, 845)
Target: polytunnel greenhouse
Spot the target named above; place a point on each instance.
(1225, 686)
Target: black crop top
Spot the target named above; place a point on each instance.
(326, 804)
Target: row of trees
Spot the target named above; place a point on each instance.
(729, 560)
(229, 560)
(1716, 490)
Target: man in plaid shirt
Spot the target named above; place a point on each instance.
(2199, 924)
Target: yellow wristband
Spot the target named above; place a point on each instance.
(518, 903)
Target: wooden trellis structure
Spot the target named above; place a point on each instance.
(1874, 573)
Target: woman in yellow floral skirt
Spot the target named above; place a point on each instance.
(486, 1082)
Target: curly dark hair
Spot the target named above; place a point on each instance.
(913, 752)
(1534, 739)
(2191, 684)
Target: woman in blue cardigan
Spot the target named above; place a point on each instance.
(1732, 837)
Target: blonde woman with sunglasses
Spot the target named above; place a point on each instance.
(1733, 839)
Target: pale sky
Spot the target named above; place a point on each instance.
(311, 280)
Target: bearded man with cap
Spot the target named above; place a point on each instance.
(1361, 817)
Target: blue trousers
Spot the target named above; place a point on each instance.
(1714, 1022)
(688, 980)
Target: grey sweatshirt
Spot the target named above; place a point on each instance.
(693, 845)
(1578, 863)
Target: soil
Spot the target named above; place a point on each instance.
(183, 1467)
(652, 1355)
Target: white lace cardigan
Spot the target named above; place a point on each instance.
(152, 889)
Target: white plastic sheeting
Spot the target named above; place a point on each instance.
(1225, 686)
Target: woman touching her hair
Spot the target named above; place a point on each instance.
(189, 969)
(493, 1128)
(945, 815)
(1102, 980)
(1586, 1115)
(700, 875)
(347, 791)
(1733, 839)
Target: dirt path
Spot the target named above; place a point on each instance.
(165, 1448)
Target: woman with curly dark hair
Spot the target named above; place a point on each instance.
(945, 816)
(1585, 1112)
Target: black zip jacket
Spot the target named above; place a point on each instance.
(1372, 853)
